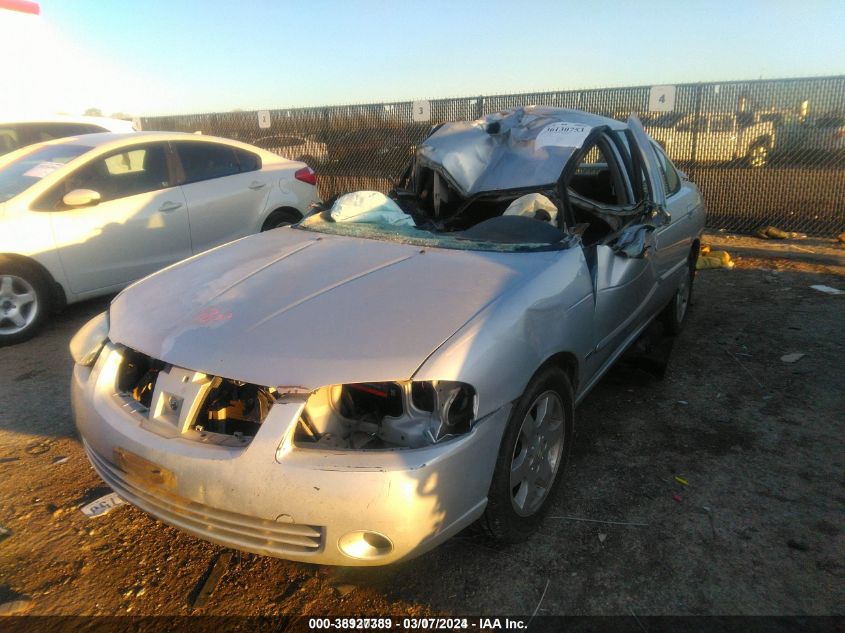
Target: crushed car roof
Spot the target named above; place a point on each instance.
(514, 149)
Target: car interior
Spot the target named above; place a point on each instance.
(600, 201)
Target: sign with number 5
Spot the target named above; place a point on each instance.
(421, 111)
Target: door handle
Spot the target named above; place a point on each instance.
(169, 207)
(257, 185)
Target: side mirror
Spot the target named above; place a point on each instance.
(81, 198)
(664, 216)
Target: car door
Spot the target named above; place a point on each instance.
(674, 238)
(139, 225)
(624, 283)
(225, 189)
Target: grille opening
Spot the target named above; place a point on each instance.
(230, 407)
(137, 375)
(234, 408)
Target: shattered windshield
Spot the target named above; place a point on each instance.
(372, 215)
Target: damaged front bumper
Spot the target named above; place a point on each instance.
(273, 498)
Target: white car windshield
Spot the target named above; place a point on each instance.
(23, 172)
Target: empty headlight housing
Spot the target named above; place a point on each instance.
(386, 415)
(451, 402)
(86, 344)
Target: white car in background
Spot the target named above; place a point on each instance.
(85, 216)
(23, 132)
(301, 148)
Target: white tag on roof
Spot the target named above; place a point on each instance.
(562, 135)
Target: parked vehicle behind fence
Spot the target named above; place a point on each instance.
(84, 216)
(359, 387)
(714, 137)
(305, 149)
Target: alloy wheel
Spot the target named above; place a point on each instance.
(537, 453)
(18, 304)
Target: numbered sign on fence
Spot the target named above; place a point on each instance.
(263, 119)
(421, 111)
(661, 99)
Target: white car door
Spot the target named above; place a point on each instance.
(139, 225)
(225, 189)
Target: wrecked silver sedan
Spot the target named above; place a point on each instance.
(358, 388)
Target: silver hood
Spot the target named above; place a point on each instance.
(294, 308)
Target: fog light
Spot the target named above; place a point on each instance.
(365, 545)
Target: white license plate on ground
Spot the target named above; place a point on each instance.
(102, 506)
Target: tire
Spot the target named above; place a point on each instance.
(280, 218)
(758, 156)
(24, 301)
(514, 510)
(675, 313)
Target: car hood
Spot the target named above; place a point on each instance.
(293, 308)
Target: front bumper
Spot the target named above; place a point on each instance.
(275, 499)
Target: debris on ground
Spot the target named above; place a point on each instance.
(344, 589)
(103, 505)
(202, 592)
(827, 289)
(792, 358)
(602, 537)
(4, 460)
(4, 533)
(600, 521)
(14, 607)
(677, 498)
(37, 448)
(772, 232)
(60, 459)
(681, 480)
(708, 258)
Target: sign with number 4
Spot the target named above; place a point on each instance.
(421, 111)
(661, 99)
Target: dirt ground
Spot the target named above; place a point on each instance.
(756, 529)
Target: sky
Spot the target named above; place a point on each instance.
(152, 57)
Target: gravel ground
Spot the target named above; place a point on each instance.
(757, 527)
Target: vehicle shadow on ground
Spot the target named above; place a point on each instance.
(35, 378)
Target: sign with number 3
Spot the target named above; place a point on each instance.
(421, 111)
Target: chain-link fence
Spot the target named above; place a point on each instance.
(763, 152)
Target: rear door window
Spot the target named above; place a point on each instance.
(205, 161)
(248, 161)
(671, 179)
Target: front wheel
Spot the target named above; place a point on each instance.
(758, 156)
(531, 458)
(23, 301)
